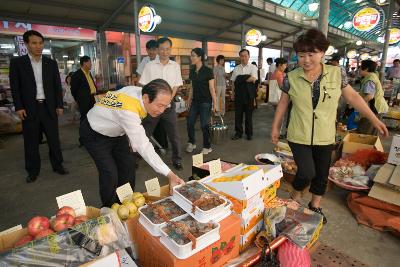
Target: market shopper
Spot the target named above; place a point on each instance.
(373, 94)
(68, 98)
(83, 87)
(394, 71)
(152, 54)
(220, 84)
(314, 89)
(279, 73)
(202, 100)
(244, 77)
(37, 93)
(170, 71)
(113, 124)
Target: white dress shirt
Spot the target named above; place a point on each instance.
(170, 72)
(248, 69)
(37, 71)
(117, 119)
(142, 64)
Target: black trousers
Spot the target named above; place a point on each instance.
(85, 106)
(247, 109)
(169, 122)
(113, 159)
(32, 128)
(313, 163)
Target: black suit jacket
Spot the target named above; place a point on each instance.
(23, 85)
(245, 92)
(80, 90)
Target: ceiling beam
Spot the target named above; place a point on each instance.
(285, 36)
(232, 24)
(116, 12)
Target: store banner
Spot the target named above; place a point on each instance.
(17, 28)
(366, 19)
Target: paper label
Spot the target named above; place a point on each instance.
(198, 160)
(153, 187)
(73, 200)
(12, 229)
(215, 167)
(124, 192)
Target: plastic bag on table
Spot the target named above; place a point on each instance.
(72, 247)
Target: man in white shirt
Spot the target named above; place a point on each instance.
(244, 77)
(271, 67)
(37, 93)
(170, 71)
(152, 54)
(116, 121)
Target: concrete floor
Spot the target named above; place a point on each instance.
(21, 201)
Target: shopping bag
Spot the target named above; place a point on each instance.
(274, 92)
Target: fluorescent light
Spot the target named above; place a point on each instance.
(313, 7)
(82, 52)
(7, 46)
(65, 56)
(358, 1)
(359, 42)
(15, 54)
(46, 51)
(70, 62)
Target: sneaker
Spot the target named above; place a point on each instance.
(206, 151)
(190, 147)
(319, 211)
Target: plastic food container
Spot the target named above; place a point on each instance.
(154, 229)
(185, 251)
(216, 214)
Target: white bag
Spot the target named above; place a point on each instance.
(274, 92)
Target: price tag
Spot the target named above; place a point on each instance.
(215, 167)
(10, 230)
(124, 192)
(153, 187)
(198, 160)
(73, 200)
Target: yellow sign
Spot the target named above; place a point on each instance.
(394, 35)
(351, 54)
(146, 20)
(366, 19)
(364, 56)
(253, 37)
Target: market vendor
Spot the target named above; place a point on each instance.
(314, 89)
(114, 123)
(373, 94)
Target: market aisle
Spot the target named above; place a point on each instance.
(21, 201)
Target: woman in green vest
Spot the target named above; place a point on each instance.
(314, 90)
(373, 94)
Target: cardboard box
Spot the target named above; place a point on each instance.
(394, 154)
(385, 194)
(386, 184)
(248, 239)
(251, 218)
(353, 142)
(153, 253)
(7, 241)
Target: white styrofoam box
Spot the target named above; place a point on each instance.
(394, 154)
(154, 229)
(220, 212)
(185, 251)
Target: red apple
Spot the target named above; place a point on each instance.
(44, 233)
(23, 240)
(80, 219)
(66, 210)
(37, 224)
(62, 222)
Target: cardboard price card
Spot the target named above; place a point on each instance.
(73, 200)
(215, 167)
(124, 192)
(153, 187)
(198, 160)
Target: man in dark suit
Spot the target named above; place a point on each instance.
(37, 94)
(83, 87)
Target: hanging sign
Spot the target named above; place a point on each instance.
(394, 35)
(147, 19)
(351, 54)
(364, 56)
(253, 37)
(366, 19)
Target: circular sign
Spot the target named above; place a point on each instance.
(394, 35)
(375, 58)
(146, 20)
(351, 54)
(364, 56)
(253, 37)
(366, 19)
